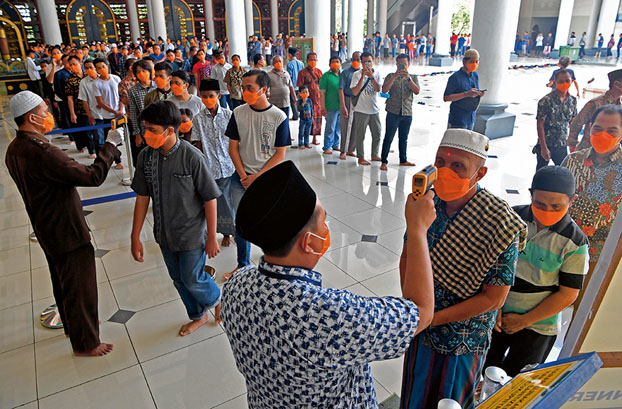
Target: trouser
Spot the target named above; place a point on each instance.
(558, 154)
(103, 134)
(236, 102)
(348, 142)
(292, 104)
(197, 289)
(243, 246)
(64, 117)
(525, 347)
(582, 51)
(38, 88)
(393, 50)
(386, 53)
(361, 121)
(74, 283)
(453, 50)
(225, 213)
(395, 122)
(304, 130)
(468, 126)
(268, 59)
(332, 132)
(343, 55)
(84, 139)
(225, 101)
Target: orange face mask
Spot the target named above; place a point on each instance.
(143, 76)
(154, 140)
(603, 142)
(160, 82)
(250, 97)
(335, 66)
(201, 58)
(449, 186)
(472, 66)
(177, 89)
(48, 122)
(304, 95)
(91, 73)
(356, 65)
(326, 241)
(547, 218)
(210, 102)
(57, 57)
(185, 127)
(103, 71)
(312, 63)
(235, 63)
(75, 69)
(278, 66)
(222, 61)
(563, 87)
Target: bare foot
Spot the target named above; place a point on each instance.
(192, 326)
(342, 156)
(364, 162)
(336, 149)
(328, 152)
(310, 147)
(227, 276)
(100, 350)
(376, 159)
(351, 154)
(226, 241)
(315, 142)
(407, 164)
(383, 166)
(217, 313)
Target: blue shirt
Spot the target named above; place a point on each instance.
(345, 79)
(299, 345)
(293, 68)
(601, 40)
(461, 81)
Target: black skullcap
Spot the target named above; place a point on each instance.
(554, 179)
(275, 207)
(209, 84)
(615, 75)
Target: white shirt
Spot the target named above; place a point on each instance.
(109, 91)
(33, 69)
(368, 99)
(87, 93)
(218, 73)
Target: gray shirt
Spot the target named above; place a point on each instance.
(179, 183)
(400, 100)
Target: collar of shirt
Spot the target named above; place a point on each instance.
(614, 157)
(172, 150)
(290, 273)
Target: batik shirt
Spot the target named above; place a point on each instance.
(599, 191)
(585, 117)
(233, 78)
(299, 345)
(211, 132)
(556, 116)
(72, 89)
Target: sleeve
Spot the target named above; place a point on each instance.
(227, 78)
(351, 329)
(204, 183)
(134, 113)
(60, 168)
(68, 88)
(342, 80)
(415, 79)
(451, 87)
(577, 123)
(97, 89)
(377, 78)
(282, 137)
(502, 272)
(232, 129)
(541, 115)
(553, 76)
(574, 267)
(356, 77)
(139, 183)
(323, 83)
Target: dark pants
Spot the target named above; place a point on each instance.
(582, 51)
(225, 101)
(65, 122)
(525, 347)
(237, 102)
(135, 149)
(285, 109)
(103, 134)
(395, 122)
(292, 104)
(558, 154)
(83, 139)
(74, 283)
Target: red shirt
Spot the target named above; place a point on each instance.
(454, 39)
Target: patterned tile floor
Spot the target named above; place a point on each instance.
(140, 310)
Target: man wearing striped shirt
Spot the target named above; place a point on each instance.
(549, 275)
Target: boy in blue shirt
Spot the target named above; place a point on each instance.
(305, 108)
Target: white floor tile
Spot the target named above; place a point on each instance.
(333, 276)
(344, 204)
(154, 331)
(237, 403)
(393, 241)
(17, 371)
(123, 389)
(373, 222)
(118, 235)
(119, 262)
(143, 290)
(183, 379)
(58, 369)
(14, 260)
(15, 289)
(364, 260)
(341, 235)
(16, 324)
(15, 218)
(14, 237)
(389, 374)
(387, 284)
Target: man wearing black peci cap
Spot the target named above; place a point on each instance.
(549, 275)
(296, 343)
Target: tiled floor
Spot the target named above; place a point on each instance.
(153, 367)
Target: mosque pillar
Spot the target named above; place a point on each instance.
(607, 19)
(318, 27)
(493, 37)
(49, 22)
(333, 17)
(132, 13)
(159, 24)
(370, 18)
(356, 13)
(248, 13)
(563, 24)
(591, 25)
(236, 33)
(274, 18)
(441, 56)
(344, 16)
(382, 17)
(149, 17)
(209, 19)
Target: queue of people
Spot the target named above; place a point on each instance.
(208, 142)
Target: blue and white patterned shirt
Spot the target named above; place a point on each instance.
(303, 346)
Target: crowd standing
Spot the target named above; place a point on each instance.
(208, 138)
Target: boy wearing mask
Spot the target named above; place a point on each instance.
(305, 108)
(162, 79)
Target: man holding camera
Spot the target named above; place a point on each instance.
(365, 88)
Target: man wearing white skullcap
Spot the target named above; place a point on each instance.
(474, 245)
(463, 92)
(46, 178)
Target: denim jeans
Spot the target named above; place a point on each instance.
(395, 122)
(102, 135)
(197, 289)
(468, 126)
(243, 246)
(304, 129)
(332, 130)
(225, 101)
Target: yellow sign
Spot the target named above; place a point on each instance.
(526, 388)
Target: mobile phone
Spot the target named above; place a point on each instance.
(368, 64)
(401, 66)
(482, 90)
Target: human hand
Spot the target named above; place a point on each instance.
(420, 213)
(472, 93)
(115, 136)
(499, 321)
(91, 120)
(513, 323)
(248, 181)
(73, 118)
(482, 93)
(545, 153)
(211, 247)
(139, 140)
(344, 112)
(324, 113)
(137, 250)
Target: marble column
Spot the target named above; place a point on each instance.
(49, 22)
(607, 19)
(356, 14)
(370, 18)
(493, 33)
(132, 13)
(344, 16)
(149, 17)
(209, 19)
(382, 17)
(274, 18)
(250, 22)
(318, 27)
(333, 17)
(159, 24)
(441, 56)
(236, 27)
(563, 24)
(591, 25)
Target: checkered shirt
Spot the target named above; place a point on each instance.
(303, 346)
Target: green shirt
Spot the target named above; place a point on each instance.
(330, 83)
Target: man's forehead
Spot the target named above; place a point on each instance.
(455, 155)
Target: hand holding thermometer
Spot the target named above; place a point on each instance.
(423, 180)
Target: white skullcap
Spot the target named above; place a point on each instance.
(465, 140)
(23, 102)
(113, 45)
